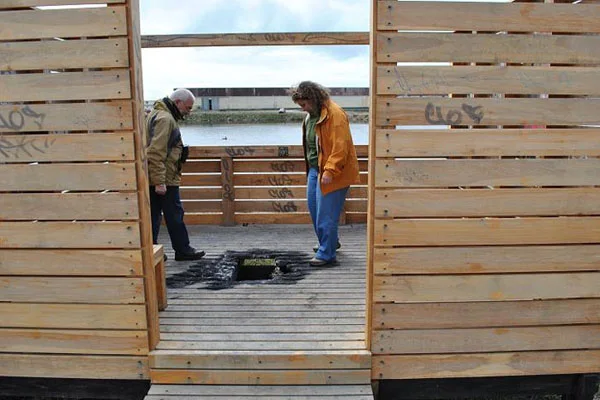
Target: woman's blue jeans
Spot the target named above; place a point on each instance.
(325, 213)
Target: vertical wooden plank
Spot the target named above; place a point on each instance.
(228, 201)
(161, 275)
(135, 63)
(371, 180)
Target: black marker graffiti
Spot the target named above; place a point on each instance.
(15, 120)
(239, 151)
(283, 151)
(13, 147)
(474, 112)
(228, 193)
(433, 114)
(282, 166)
(283, 193)
(290, 206)
(283, 180)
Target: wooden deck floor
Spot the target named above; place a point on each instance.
(304, 332)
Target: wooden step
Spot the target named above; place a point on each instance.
(279, 392)
(341, 367)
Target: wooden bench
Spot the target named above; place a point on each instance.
(160, 276)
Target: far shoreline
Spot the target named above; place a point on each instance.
(199, 117)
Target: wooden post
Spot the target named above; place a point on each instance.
(143, 189)
(228, 196)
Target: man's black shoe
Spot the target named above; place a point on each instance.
(191, 256)
(316, 248)
(165, 258)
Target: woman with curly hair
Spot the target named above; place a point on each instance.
(331, 164)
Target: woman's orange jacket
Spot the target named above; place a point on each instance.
(335, 147)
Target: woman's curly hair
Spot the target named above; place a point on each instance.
(310, 91)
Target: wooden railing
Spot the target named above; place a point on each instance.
(257, 184)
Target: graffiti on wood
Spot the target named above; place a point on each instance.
(239, 151)
(22, 146)
(14, 120)
(435, 116)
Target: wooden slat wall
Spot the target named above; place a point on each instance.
(484, 232)
(74, 298)
(257, 184)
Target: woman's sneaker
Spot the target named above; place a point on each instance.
(316, 248)
(317, 262)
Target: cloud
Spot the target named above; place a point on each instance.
(166, 69)
(279, 66)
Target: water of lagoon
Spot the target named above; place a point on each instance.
(256, 134)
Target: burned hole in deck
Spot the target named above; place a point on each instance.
(255, 269)
(255, 266)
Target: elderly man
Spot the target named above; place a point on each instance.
(331, 163)
(166, 155)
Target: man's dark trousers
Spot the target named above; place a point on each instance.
(169, 204)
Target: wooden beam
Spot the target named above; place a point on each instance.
(257, 39)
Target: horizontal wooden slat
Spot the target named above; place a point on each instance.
(485, 287)
(394, 15)
(256, 39)
(356, 218)
(65, 23)
(283, 206)
(274, 165)
(257, 151)
(108, 116)
(265, 377)
(487, 142)
(72, 316)
(202, 206)
(198, 166)
(246, 337)
(282, 166)
(263, 391)
(487, 111)
(291, 193)
(486, 259)
(415, 80)
(404, 203)
(485, 314)
(72, 290)
(55, 177)
(201, 180)
(273, 218)
(75, 366)
(71, 262)
(289, 179)
(203, 219)
(205, 193)
(490, 364)
(80, 206)
(483, 340)
(88, 85)
(337, 359)
(73, 341)
(487, 231)
(63, 54)
(266, 218)
(74, 147)
(510, 48)
(93, 235)
(490, 172)
(35, 3)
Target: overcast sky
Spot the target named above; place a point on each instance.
(272, 66)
